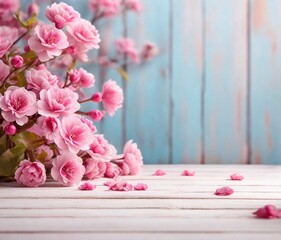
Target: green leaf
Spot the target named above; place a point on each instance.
(28, 139)
(29, 22)
(10, 159)
(21, 81)
(123, 73)
(3, 143)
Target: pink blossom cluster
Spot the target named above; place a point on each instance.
(40, 106)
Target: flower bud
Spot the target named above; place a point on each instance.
(10, 129)
(96, 115)
(97, 97)
(33, 9)
(17, 61)
(26, 49)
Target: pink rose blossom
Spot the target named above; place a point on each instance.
(224, 191)
(140, 187)
(268, 211)
(17, 104)
(112, 170)
(96, 115)
(61, 14)
(67, 169)
(106, 7)
(87, 187)
(159, 172)
(134, 5)
(7, 37)
(74, 135)
(97, 97)
(81, 78)
(95, 168)
(187, 173)
(132, 163)
(236, 177)
(50, 127)
(17, 61)
(121, 185)
(56, 102)
(149, 51)
(112, 97)
(40, 79)
(30, 174)
(47, 41)
(10, 129)
(4, 71)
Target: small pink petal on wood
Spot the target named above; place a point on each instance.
(224, 191)
(121, 186)
(268, 211)
(159, 172)
(87, 187)
(140, 187)
(236, 177)
(187, 173)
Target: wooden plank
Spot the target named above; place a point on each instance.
(226, 81)
(187, 60)
(265, 81)
(148, 88)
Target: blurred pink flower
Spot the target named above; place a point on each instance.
(140, 187)
(112, 97)
(187, 173)
(107, 8)
(67, 169)
(236, 177)
(33, 9)
(81, 78)
(30, 174)
(7, 9)
(61, 14)
(159, 172)
(56, 102)
(224, 191)
(7, 37)
(17, 104)
(47, 41)
(126, 46)
(17, 61)
(149, 51)
(4, 71)
(134, 5)
(87, 186)
(95, 168)
(112, 170)
(268, 211)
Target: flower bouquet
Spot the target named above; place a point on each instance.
(43, 132)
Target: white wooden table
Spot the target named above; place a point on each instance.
(173, 207)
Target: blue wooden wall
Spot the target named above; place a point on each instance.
(213, 95)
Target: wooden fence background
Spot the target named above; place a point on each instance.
(213, 95)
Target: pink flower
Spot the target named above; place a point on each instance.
(89, 123)
(187, 173)
(236, 177)
(40, 79)
(132, 163)
(10, 129)
(17, 104)
(4, 71)
(17, 61)
(159, 172)
(47, 42)
(224, 191)
(121, 186)
(268, 211)
(50, 127)
(100, 149)
(81, 78)
(67, 169)
(56, 102)
(33, 9)
(61, 14)
(8, 7)
(44, 153)
(95, 168)
(97, 97)
(140, 187)
(106, 7)
(96, 115)
(126, 46)
(134, 5)
(149, 51)
(7, 37)
(74, 135)
(112, 97)
(112, 170)
(30, 174)
(87, 187)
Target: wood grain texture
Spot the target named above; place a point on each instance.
(226, 81)
(265, 81)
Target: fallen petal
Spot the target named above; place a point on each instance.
(187, 173)
(140, 187)
(121, 186)
(236, 177)
(159, 172)
(87, 187)
(268, 211)
(224, 191)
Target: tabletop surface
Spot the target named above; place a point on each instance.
(173, 207)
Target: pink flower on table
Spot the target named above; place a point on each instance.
(121, 185)
(17, 61)
(56, 102)
(47, 41)
(49, 127)
(159, 172)
(95, 168)
(132, 163)
(74, 135)
(8, 36)
(149, 51)
(40, 79)
(87, 187)
(67, 169)
(112, 97)
(30, 174)
(112, 170)
(134, 5)
(268, 211)
(17, 104)
(106, 7)
(61, 14)
(81, 78)
(140, 187)
(187, 173)
(236, 177)
(4, 71)
(224, 191)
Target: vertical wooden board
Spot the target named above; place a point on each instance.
(147, 96)
(266, 81)
(225, 81)
(187, 46)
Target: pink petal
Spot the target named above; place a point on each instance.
(87, 187)
(140, 187)
(159, 172)
(268, 211)
(236, 177)
(224, 191)
(187, 173)
(121, 186)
